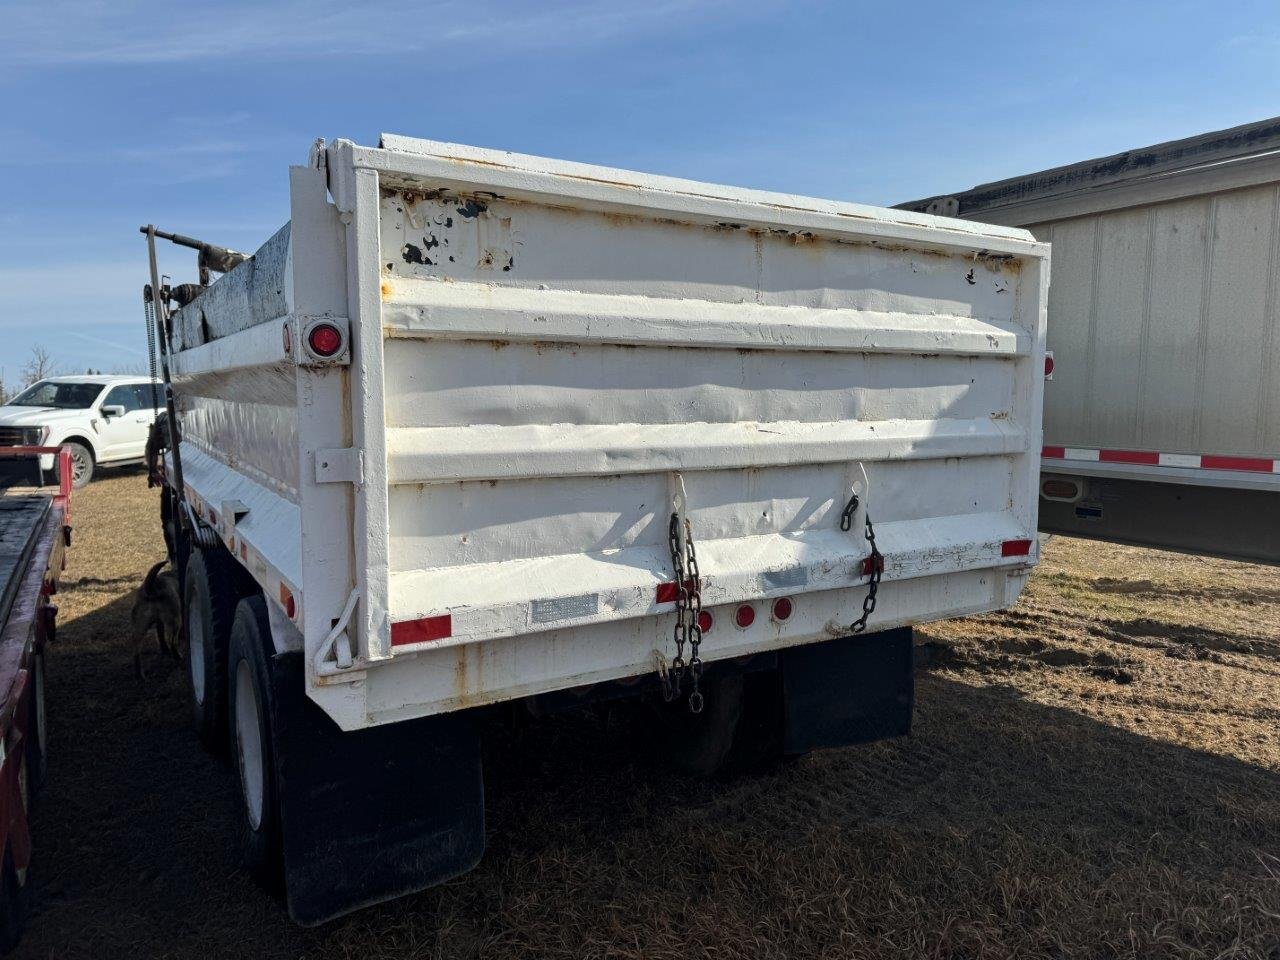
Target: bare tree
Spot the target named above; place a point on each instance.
(38, 366)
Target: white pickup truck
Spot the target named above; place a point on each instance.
(102, 419)
(477, 429)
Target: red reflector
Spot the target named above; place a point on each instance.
(1015, 548)
(1054, 453)
(422, 631)
(286, 601)
(705, 621)
(1236, 463)
(870, 565)
(324, 340)
(745, 616)
(1048, 366)
(1129, 456)
(668, 592)
(782, 608)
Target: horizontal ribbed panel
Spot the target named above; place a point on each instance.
(443, 454)
(475, 311)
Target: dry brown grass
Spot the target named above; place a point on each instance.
(1092, 774)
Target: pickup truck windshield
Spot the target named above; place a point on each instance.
(64, 396)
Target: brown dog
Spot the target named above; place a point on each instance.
(156, 605)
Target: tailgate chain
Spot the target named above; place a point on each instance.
(688, 607)
(874, 564)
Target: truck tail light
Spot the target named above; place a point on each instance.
(324, 340)
(705, 621)
(745, 616)
(782, 608)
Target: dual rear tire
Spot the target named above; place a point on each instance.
(250, 708)
(228, 636)
(214, 586)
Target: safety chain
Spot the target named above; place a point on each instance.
(875, 562)
(684, 560)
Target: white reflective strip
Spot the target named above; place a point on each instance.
(1179, 460)
(1275, 466)
(1071, 453)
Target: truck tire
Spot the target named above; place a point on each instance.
(250, 710)
(700, 744)
(82, 464)
(209, 609)
(36, 732)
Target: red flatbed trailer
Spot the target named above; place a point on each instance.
(35, 533)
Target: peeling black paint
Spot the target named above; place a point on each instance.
(411, 253)
(471, 209)
(430, 241)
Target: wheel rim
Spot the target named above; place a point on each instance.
(195, 654)
(79, 465)
(42, 733)
(249, 744)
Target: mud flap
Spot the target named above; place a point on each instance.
(374, 814)
(850, 690)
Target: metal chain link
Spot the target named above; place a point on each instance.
(695, 610)
(875, 561)
(684, 560)
(672, 677)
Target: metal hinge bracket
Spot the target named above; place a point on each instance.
(340, 465)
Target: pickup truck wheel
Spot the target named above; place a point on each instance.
(249, 711)
(209, 609)
(81, 464)
(36, 733)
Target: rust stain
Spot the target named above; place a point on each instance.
(386, 289)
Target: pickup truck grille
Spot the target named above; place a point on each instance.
(19, 436)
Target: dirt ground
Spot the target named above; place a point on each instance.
(1093, 774)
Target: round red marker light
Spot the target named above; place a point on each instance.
(782, 608)
(324, 340)
(705, 621)
(1048, 366)
(745, 616)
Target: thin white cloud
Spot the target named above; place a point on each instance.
(104, 342)
(70, 32)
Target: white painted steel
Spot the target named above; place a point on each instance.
(1165, 301)
(537, 347)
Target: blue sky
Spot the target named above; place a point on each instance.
(115, 113)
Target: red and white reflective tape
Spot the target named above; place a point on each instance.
(1150, 458)
(267, 576)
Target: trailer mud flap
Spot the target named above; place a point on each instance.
(850, 690)
(373, 814)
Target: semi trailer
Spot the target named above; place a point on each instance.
(478, 432)
(1162, 417)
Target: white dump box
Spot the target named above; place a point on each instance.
(464, 496)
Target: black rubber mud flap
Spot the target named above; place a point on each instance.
(849, 690)
(373, 814)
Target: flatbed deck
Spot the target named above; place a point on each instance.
(22, 518)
